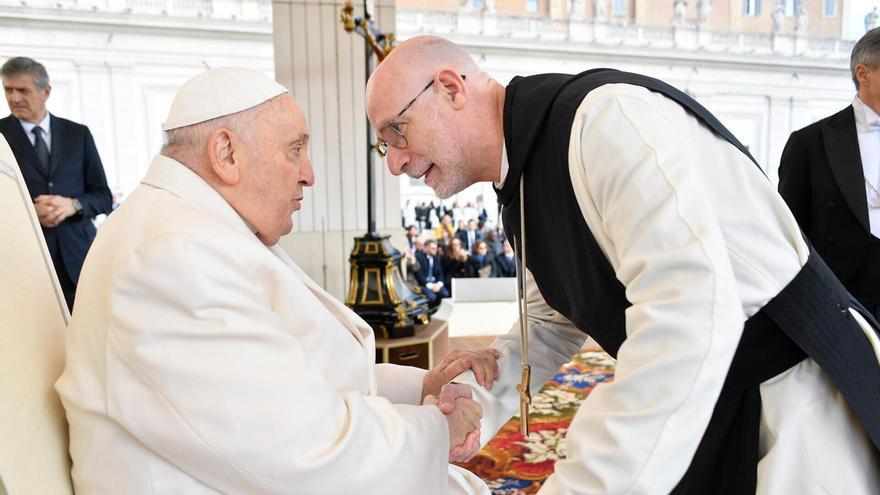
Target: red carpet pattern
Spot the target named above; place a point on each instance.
(511, 465)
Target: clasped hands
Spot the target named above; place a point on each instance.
(463, 414)
(53, 209)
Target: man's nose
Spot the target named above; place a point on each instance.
(396, 159)
(307, 177)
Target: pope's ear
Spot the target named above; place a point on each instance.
(223, 155)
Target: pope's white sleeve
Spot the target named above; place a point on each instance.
(639, 188)
(400, 384)
(553, 340)
(204, 374)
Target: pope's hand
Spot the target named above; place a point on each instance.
(464, 427)
(484, 364)
(450, 393)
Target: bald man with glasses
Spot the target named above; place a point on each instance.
(740, 357)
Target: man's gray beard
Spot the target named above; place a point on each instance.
(452, 180)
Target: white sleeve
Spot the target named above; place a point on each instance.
(400, 384)
(202, 372)
(553, 340)
(639, 188)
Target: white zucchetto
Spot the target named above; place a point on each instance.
(217, 93)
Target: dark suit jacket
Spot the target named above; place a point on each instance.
(822, 180)
(75, 172)
(463, 237)
(422, 273)
(504, 267)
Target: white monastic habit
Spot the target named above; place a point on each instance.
(630, 151)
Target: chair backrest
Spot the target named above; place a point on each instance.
(34, 455)
(483, 289)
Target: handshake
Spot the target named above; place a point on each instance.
(463, 414)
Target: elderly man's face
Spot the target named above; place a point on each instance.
(280, 168)
(432, 151)
(26, 101)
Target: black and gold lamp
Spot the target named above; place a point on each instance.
(377, 291)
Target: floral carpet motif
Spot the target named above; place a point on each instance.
(512, 465)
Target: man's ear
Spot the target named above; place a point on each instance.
(863, 75)
(223, 153)
(453, 84)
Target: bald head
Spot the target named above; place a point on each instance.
(438, 113)
(415, 62)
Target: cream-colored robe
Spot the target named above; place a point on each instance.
(200, 361)
(701, 240)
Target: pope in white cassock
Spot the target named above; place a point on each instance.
(202, 360)
(743, 365)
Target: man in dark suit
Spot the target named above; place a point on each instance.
(470, 236)
(430, 274)
(830, 175)
(505, 263)
(60, 165)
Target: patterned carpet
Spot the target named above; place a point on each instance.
(511, 465)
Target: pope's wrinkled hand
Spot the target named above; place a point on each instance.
(446, 402)
(464, 427)
(484, 364)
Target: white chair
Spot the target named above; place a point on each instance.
(482, 306)
(483, 289)
(33, 431)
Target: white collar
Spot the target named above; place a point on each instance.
(867, 120)
(505, 166)
(168, 174)
(43, 124)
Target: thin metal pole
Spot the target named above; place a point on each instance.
(525, 397)
(371, 197)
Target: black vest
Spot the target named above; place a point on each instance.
(577, 280)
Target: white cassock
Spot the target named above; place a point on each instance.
(648, 175)
(200, 361)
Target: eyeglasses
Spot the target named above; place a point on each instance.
(390, 134)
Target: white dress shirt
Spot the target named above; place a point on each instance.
(430, 278)
(868, 129)
(47, 131)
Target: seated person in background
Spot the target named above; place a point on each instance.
(482, 261)
(505, 263)
(202, 360)
(430, 274)
(470, 236)
(455, 262)
(492, 241)
(445, 227)
(443, 242)
(412, 232)
(412, 263)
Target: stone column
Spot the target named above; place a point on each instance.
(323, 66)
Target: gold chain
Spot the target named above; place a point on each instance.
(873, 188)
